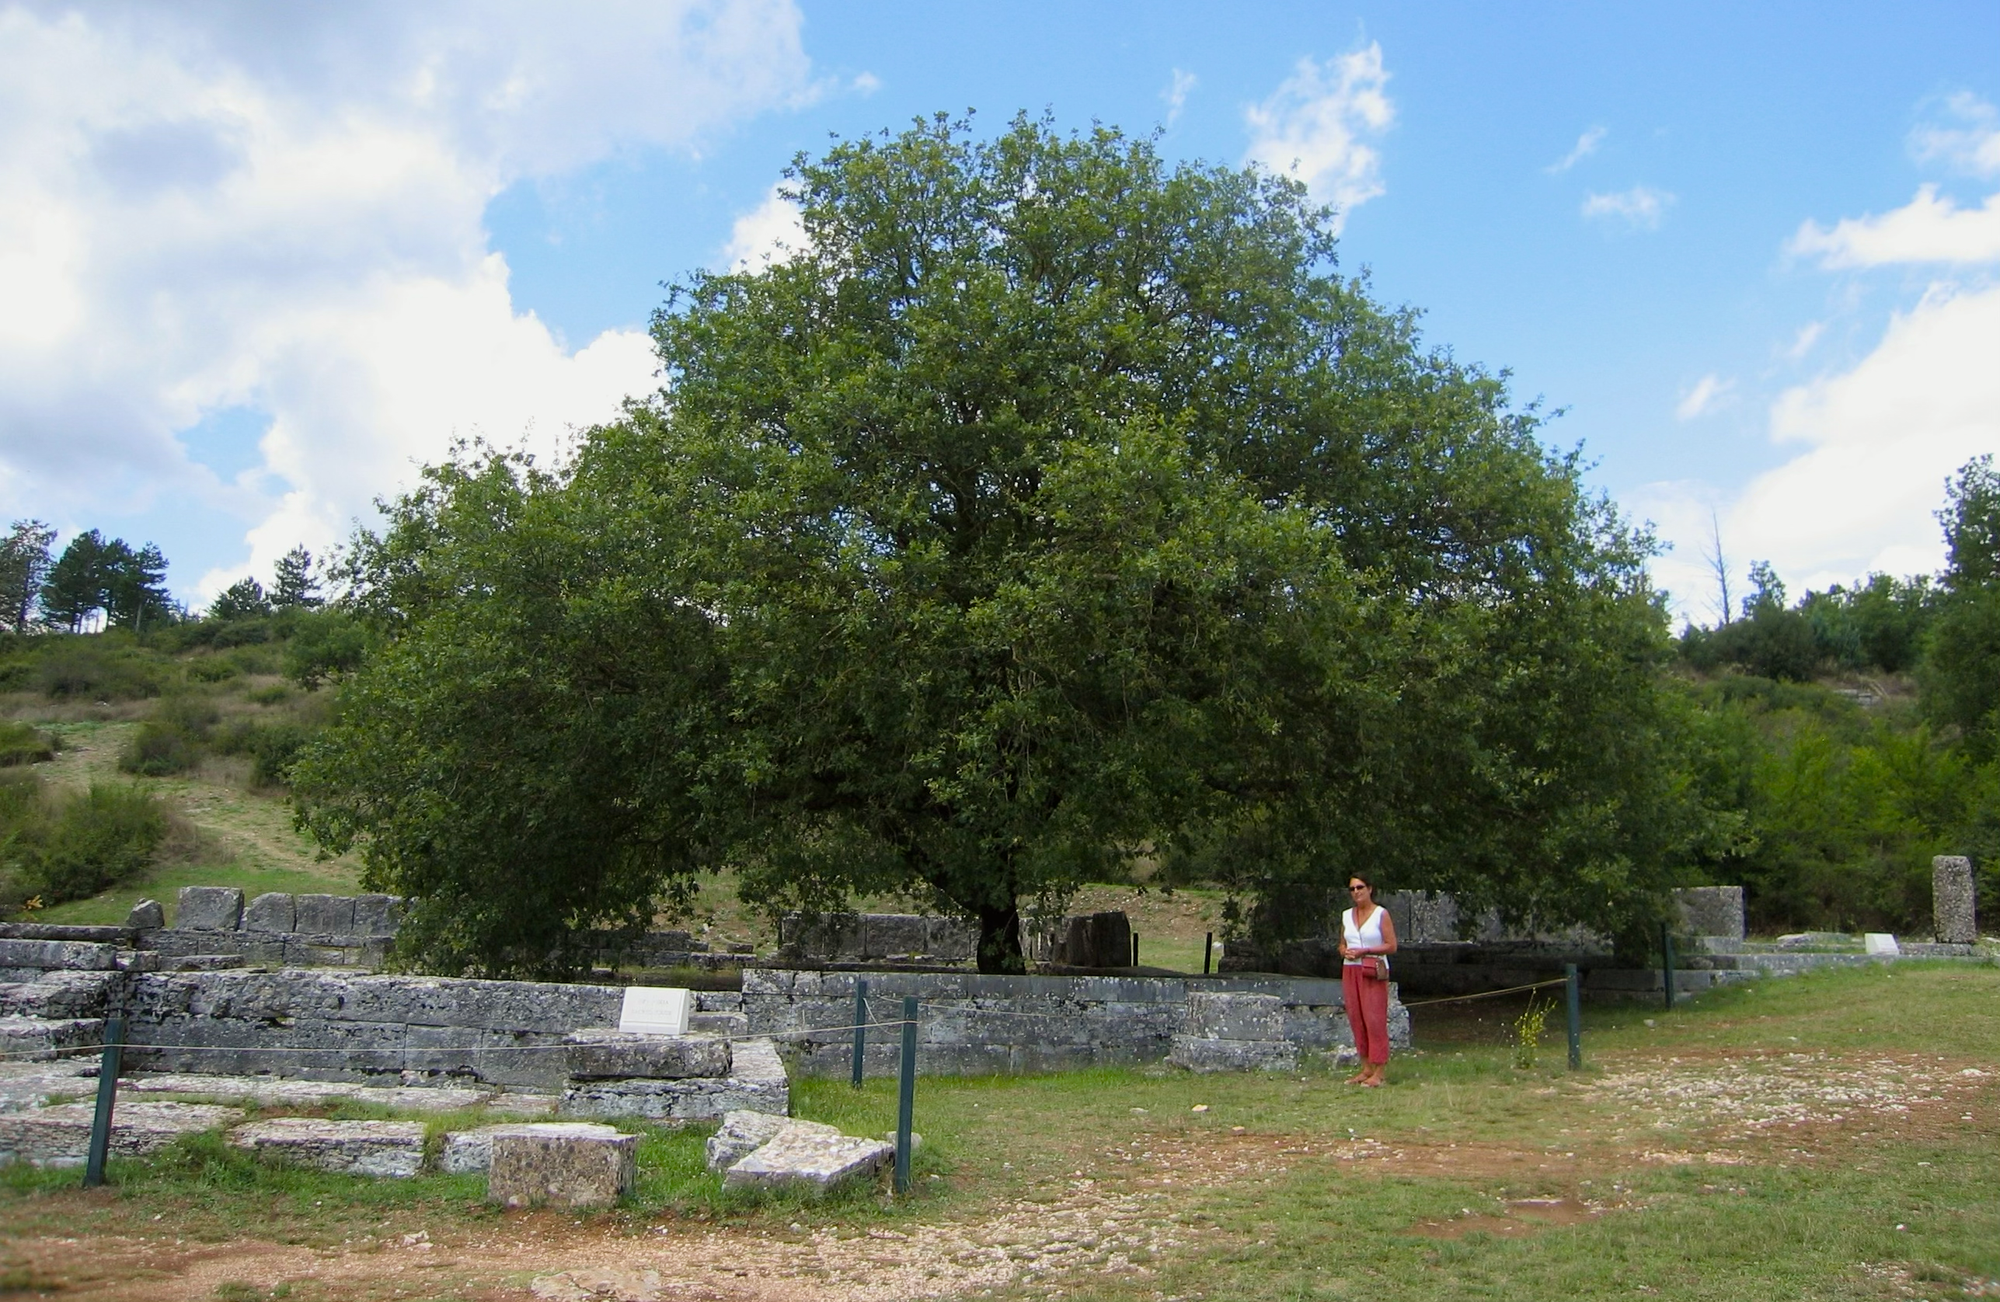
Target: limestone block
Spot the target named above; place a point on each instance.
(800, 1158)
(952, 938)
(470, 1152)
(615, 1055)
(146, 915)
(822, 935)
(656, 1010)
(50, 955)
(894, 935)
(60, 1136)
(756, 1083)
(39, 1039)
(1094, 940)
(377, 915)
(564, 1163)
(1234, 1017)
(324, 915)
(1711, 911)
(1952, 900)
(61, 994)
(1204, 1055)
(389, 1149)
(743, 1133)
(208, 908)
(273, 911)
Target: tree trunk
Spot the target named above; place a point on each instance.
(1000, 939)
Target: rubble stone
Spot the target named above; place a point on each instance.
(146, 915)
(388, 1149)
(563, 1163)
(807, 1159)
(743, 1133)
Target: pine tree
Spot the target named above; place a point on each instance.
(135, 585)
(240, 600)
(76, 583)
(24, 564)
(293, 585)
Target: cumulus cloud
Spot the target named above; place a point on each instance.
(1703, 397)
(1586, 145)
(1927, 229)
(770, 232)
(1802, 342)
(1318, 124)
(280, 208)
(1176, 94)
(1640, 207)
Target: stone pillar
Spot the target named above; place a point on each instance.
(1952, 902)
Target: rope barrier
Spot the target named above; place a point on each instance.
(1487, 994)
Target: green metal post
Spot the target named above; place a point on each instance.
(1207, 952)
(906, 1094)
(1667, 958)
(1135, 949)
(107, 1095)
(1575, 1016)
(860, 1027)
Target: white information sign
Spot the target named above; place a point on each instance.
(656, 1010)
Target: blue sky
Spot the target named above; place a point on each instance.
(265, 262)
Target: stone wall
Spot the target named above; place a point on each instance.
(283, 930)
(972, 1024)
(875, 937)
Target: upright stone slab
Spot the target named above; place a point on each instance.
(377, 915)
(146, 915)
(1711, 911)
(1095, 940)
(209, 908)
(325, 915)
(274, 911)
(568, 1164)
(1952, 901)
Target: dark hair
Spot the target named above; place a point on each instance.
(1365, 879)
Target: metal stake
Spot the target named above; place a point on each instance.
(906, 1094)
(860, 1027)
(1575, 1017)
(107, 1095)
(1667, 956)
(1207, 952)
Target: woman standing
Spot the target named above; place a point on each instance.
(1367, 938)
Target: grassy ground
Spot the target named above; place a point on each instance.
(1823, 1137)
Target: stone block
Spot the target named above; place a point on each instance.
(614, 1055)
(470, 1152)
(61, 994)
(40, 1039)
(952, 939)
(1711, 911)
(756, 1083)
(895, 935)
(800, 1158)
(1234, 1017)
(743, 1133)
(561, 1163)
(377, 915)
(656, 1010)
(324, 915)
(1205, 1055)
(208, 908)
(838, 936)
(54, 955)
(387, 1149)
(60, 1135)
(146, 915)
(1952, 900)
(273, 911)
(1094, 940)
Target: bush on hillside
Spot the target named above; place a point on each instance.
(171, 741)
(273, 747)
(70, 846)
(21, 744)
(325, 644)
(97, 668)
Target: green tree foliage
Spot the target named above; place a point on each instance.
(294, 586)
(71, 845)
(74, 589)
(24, 566)
(243, 599)
(1051, 506)
(1961, 676)
(128, 585)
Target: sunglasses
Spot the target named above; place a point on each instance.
(1361, 888)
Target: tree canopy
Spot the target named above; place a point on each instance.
(1049, 508)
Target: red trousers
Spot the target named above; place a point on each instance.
(1367, 1013)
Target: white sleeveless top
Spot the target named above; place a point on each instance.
(1366, 936)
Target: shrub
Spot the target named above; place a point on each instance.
(20, 744)
(272, 747)
(80, 667)
(275, 694)
(325, 644)
(212, 669)
(172, 740)
(71, 847)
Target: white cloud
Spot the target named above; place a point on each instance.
(1316, 126)
(1927, 229)
(1970, 143)
(281, 207)
(1878, 442)
(1586, 145)
(1802, 343)
(770, 232)
(1704, 396)
(1177, 92)
(866, 83)
(1640, 207)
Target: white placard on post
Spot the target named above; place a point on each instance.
(656, 1010)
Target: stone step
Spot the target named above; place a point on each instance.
(30, 1039)
(386, 1149)
(65, 931)
(60, 1135)
(728, 1024)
